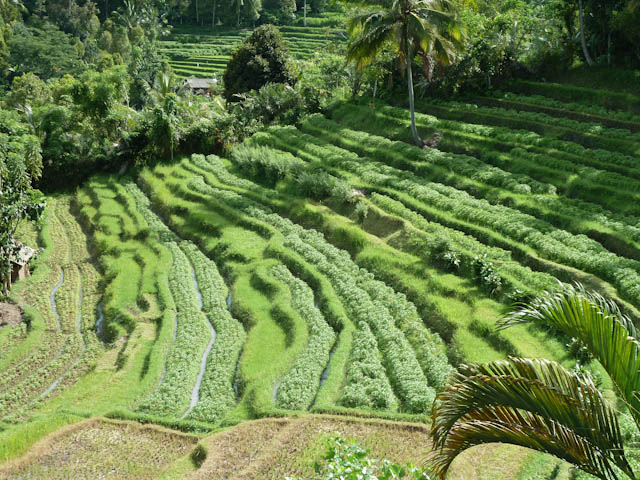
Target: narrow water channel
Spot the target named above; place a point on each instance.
(54, 306)
(195, 394)
(325, 372)
(275, 392)
(83, 348)
(100, 322)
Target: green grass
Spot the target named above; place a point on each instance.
(411, 210)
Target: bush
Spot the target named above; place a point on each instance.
(348, 461)
(261, 59)
(273, 103)
(264, 164)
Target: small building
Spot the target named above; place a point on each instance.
(200, 86)
(19, 264)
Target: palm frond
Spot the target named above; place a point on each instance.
(374, 33)
(532, 403)
(608, 334)
(526, 430)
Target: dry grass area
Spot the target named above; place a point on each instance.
(489, 462)
(267, 449)
(99, 449)
(270, 449)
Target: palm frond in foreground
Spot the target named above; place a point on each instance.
(538, 403)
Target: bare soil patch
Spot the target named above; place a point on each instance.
(10, 314)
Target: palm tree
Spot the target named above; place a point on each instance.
(427, 28)
(538, 403)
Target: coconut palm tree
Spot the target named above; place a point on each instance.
(539, 404)
(427, 28)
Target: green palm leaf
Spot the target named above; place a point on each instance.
(599, 324)
(532, 403)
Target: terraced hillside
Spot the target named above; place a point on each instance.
(331, 268)
(58, 343)
(201, 52)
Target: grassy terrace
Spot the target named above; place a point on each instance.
(60, 301)
(237, 288)
(200, 52)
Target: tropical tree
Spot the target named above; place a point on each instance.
(262, 58)
(538, 403)
(583, 41)
(427, 28)
(20, 167)
(251, 9)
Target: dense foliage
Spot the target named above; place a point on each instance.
(20, 166)
(261, 59)
(286, 247)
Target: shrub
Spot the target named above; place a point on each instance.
(347, 460)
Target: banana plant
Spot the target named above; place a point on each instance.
(541, 405)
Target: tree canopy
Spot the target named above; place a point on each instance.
(261, 59)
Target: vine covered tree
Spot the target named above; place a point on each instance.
(425, 28)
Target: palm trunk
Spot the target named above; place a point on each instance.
(585, 50)
(412, 108)
(305, 13)
(197, 13)
(213, 20)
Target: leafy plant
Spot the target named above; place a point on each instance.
(347, 460)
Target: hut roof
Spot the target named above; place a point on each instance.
(201, 83)
(23, 255)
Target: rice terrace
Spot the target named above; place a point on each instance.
(302, 239)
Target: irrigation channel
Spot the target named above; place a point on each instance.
(275, 392)
(54, 306)
(325, 372)
(83, 349)
(100, 322)
(195, 394)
